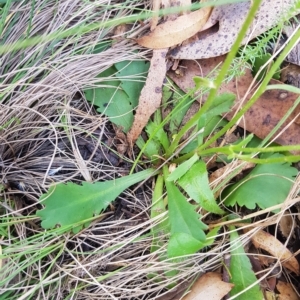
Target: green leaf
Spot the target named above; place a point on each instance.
(160, 135)
(242, 275)
(213, 124)
(152, 148)
(195, 183)
(259, 62)
(101, 46)
(211, 119)
(221, 104)
(201, 82)
(182, 168)
(112, 100)
(119, 92)
(158, 208)
(183, 244)
(5, 1)
(211, 236)
(179, 103)
(132, 75)
(67, 204)
(266, 185)
(182, 215)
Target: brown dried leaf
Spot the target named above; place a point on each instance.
(286, 224)
(209, 286)
(151, 94)
(263, 116)
(231, 18)
(290, 74)
(269, 243)
(286, 291)
(173, 32)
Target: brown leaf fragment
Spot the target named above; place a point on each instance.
(263, 116)
(209, 286)
(286, 224)
(290, 74)
(173, 32)
(217, 176)
(230, 18)
(269, 243)
(151, 94)
(286, 291)
(230, 168)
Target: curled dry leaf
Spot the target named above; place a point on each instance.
(151, 94)
(269, 243)
(173, 32)
(286, 291)
(230, 18)
(286, 224)
(209, 286)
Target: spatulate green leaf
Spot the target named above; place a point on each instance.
(266, 185)
(118, 94)
(132, 76)
(242, 275)
(111, 100)
(67, 204)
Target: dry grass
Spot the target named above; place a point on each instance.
(44, 116)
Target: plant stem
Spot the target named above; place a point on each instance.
(256, 94)
(223, 71)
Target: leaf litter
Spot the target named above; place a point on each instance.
(118, 259)
(174, 32)
(151, 94)
(230, 19)
(267, 111)
(269, 243)
(163, 36)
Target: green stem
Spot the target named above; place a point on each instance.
(223, 71)
(274, 160)
(157, 198)
(233, 149)
(256, 94)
